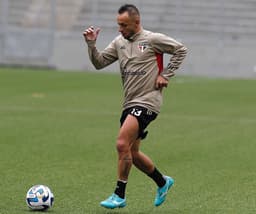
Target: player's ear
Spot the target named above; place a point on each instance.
(137, 20)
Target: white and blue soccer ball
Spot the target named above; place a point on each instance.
(39, 197)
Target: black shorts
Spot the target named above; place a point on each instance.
(144, 117)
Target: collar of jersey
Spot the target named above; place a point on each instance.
(135, 36)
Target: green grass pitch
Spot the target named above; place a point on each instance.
(59, 129)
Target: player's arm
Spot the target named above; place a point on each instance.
(179, 52)
(165, 44)
(103, 58)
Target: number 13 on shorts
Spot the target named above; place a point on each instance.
(136, 112)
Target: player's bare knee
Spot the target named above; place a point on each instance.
(122, 146)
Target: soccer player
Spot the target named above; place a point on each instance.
(140, 55)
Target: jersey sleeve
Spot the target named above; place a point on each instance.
(101, 59)
(164, 44)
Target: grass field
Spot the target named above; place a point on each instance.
(59, 129)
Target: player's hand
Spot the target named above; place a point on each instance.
(90, 34)
(161, 82)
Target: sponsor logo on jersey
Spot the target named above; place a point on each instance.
(133, 73)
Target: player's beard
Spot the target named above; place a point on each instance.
(128, 35)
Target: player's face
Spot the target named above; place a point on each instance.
(128, 26)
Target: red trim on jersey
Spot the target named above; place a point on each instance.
(160, 62)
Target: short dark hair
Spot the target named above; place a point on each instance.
(130, 8)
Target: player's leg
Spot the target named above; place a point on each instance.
(146, 165)
(140, 160)
(127, 135)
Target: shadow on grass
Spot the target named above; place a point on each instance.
(149, 211)
(37, 211)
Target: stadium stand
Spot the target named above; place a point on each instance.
(215, 31)
(198, 16)
(65, 14)
(189, 16)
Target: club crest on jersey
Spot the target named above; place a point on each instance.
(143, 46)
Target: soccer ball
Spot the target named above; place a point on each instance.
(39, 197)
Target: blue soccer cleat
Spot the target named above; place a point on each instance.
(162, 192)
(114, 201)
